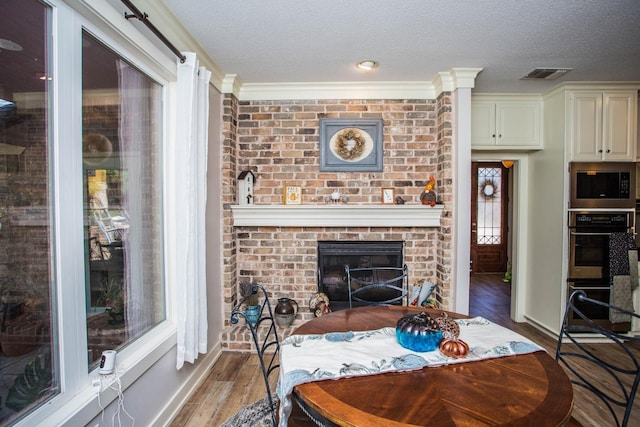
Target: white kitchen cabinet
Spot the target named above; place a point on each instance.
(506, 122)
(602, 125)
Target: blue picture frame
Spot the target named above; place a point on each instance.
(351, 145)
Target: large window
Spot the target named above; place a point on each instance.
(28, 373)
(123, 203)
(81, 206)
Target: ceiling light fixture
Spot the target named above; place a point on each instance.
(507, 163)
(367, 65)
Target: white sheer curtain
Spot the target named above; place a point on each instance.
(134, 110)
(190, 157)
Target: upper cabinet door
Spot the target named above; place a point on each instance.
(586, 128)
(603, 125)
(483, 123)
(518, 124)
(619, 127)
(506, 124)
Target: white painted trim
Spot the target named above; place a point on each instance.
(131, 363)
(456, 78)
(461, 225)
(231, 84)
(443, 82)
(336, 90)
(633, 85)
(541, 327)
(519, 235)
(336, 216)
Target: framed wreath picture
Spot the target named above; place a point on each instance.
(351, 145)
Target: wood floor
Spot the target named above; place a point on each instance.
(235, 380)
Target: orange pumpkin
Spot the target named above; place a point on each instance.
(453, 347)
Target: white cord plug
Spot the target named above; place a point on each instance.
(96, 384)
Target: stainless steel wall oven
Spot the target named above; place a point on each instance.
(589, 233)
(589, 241)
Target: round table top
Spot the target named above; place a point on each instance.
(523, 390)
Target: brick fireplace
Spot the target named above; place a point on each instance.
(277, 245)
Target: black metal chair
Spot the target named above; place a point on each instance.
(267, 344)
(620, 366)
(377, 285)
(265, 338)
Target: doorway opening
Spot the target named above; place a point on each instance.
(491, 237)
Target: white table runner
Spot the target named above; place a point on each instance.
(306, 358)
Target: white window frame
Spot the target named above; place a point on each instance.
(78, 401)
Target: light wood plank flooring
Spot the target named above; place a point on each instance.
(235, 380)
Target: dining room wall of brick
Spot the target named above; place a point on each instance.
(279, 142)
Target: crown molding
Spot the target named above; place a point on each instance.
(335, 90)
(456, 78)
(593, 85)
(447, 81)
(231, 83)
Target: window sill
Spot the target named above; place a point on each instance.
(131, 363)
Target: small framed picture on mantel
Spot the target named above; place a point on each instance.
(388, 196)
(292, 195)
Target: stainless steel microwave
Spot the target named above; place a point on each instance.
(603, 185)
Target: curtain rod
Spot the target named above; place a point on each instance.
(140, 16)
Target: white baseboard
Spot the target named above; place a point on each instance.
(182, 395)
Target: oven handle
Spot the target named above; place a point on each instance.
(574, 233)
(587, 288)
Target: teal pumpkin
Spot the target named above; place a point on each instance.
(418, 332)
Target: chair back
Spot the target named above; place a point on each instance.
(265, 337)
(377, 285)
(617, 363)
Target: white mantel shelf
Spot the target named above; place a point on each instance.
(336, 215)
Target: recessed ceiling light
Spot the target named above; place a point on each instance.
(9, 45)
(367, 65)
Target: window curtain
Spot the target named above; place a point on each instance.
(134, 88)
(190, 157)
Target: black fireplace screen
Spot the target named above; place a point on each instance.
(334, 255)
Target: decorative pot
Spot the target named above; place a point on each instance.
(285, 312)
(252, 313)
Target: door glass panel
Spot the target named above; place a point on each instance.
(28, 374)
(123, 199)
(489, 206)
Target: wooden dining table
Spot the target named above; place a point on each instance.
(522, 390)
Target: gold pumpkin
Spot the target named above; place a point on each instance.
(453, 347)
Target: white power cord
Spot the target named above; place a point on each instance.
(112, 381)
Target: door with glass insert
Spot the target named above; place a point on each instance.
(489, 202)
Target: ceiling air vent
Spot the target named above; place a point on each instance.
(546, 73)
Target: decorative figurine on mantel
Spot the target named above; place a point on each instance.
(428, 196)
(336, 198)
(246, 180)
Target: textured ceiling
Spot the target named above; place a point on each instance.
(303, 41)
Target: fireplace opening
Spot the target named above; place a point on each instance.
(334, 255)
